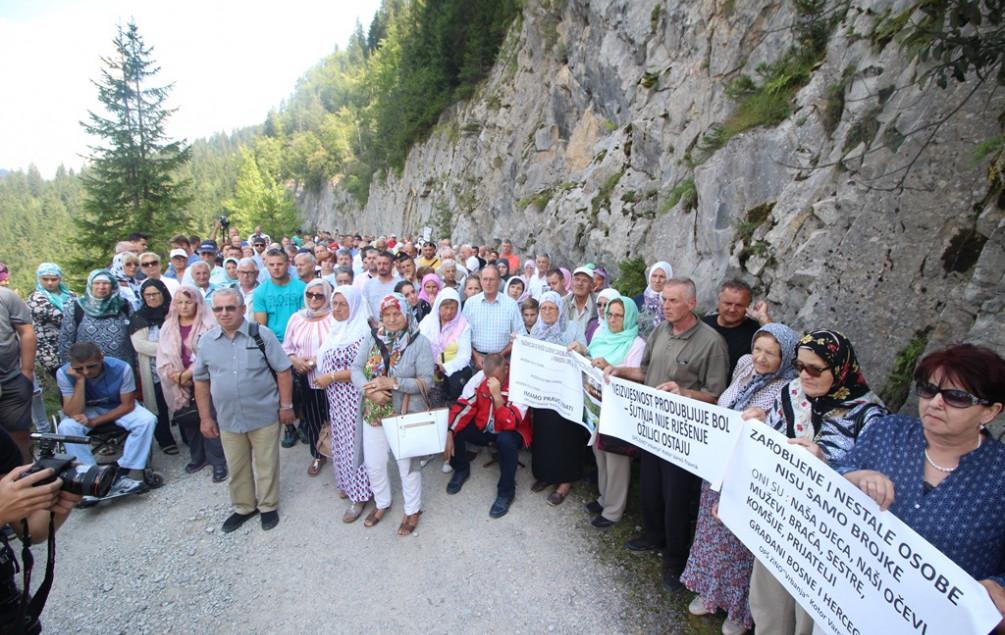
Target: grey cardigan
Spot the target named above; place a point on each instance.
(416, 362)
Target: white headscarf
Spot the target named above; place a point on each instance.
(439, 335)
(351, 330)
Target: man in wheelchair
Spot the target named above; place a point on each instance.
(98, 391)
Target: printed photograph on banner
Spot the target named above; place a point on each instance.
(696, 436)
(593, 389)
(852, 567)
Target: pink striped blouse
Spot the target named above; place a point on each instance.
(304, 338)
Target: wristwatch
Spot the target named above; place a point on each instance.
(286, 407)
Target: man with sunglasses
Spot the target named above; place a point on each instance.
(233, 369)
(98, 390)
(150, 267)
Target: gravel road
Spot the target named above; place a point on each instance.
(158, 563)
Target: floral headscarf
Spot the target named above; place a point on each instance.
(109, 306)
(394, 344)
(787, 340)
(52, 269)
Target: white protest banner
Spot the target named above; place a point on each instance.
(543, 375)
(854, 568)
(694, 435)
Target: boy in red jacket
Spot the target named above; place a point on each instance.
(483, 416)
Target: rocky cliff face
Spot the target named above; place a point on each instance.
(605, 132)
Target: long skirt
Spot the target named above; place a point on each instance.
(344, 402)
(557, 447)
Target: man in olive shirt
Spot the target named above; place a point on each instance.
(250, 389)
(687, 357)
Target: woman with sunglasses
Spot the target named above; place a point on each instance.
(144, 332)
(305, 333)
(824, 409)
(941, 473)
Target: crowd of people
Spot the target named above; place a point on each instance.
(255, 344)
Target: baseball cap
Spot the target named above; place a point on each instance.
(178, 252)
(207, 245)
(586, 271)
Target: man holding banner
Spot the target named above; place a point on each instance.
(687, 357)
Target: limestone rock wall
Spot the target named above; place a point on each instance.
(856, 212)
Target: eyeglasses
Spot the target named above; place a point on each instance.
(152, 296)
(228, 308)
(315, 296)
(812, 371)
(86, 367)
(615, 316)
(952, 396)
(149, 263)
(253, 272)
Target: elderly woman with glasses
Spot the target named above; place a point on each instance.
(825, 409)
(941, 473)
(305, 333)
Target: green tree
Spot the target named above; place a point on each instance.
(131, 184)
(259, 199)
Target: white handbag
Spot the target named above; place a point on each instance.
(419, 433)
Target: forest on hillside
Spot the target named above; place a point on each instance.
(353, 115)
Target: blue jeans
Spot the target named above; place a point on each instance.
(508, 443)
(140, 423)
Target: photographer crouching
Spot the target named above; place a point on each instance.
(32, 505)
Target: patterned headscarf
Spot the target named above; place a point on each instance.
(118, 269)
(52, 269)
(108, 306)
(554, 332)
(849, 383)
(787, 340)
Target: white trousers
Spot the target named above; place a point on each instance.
(375, 455)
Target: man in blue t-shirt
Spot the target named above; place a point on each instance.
(98, 390)
(279, 297)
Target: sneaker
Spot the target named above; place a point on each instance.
(447, 468)
(671, 581)
(602, 523)
(270, 520)
(697, 606)
(235, 520)
(457, 481)
(125, 485)
(729, 627)
(289, 437)
(500, 506)
(594, 507)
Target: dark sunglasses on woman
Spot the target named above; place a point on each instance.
(952, 396)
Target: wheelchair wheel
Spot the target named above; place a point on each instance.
(152, 479)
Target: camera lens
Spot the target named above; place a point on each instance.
(88, 480)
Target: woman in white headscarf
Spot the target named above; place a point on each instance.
(557, 457)
(450, 336)
(650, 302)
(350, 328)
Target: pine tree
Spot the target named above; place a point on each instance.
(131, 183)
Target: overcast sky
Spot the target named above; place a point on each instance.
(230, 62)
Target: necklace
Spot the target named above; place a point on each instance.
(947, 470)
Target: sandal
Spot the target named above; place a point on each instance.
(353, 512)
(170, 450)
(555, 498)
(315, 467)
(374, 517)
(409, 523)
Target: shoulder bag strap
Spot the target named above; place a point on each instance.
(260, 343)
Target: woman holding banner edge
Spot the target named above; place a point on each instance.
(941, 473)
(718, 567)
(616, 344)
(824, 410)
